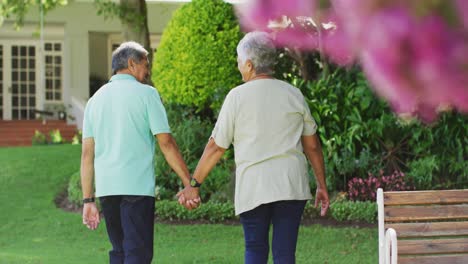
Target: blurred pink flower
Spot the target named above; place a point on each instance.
(462, 8)
(415, 60)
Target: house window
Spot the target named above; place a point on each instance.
(53, 71)
(1, 82)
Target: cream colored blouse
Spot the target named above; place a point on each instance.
(264, 119)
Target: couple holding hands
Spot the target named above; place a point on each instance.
(266, 120)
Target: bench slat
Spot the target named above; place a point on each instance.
(418, 213)
(405, 230)
(444, 259)
(433, 246)
(426, 197)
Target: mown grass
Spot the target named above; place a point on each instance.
(33, 230)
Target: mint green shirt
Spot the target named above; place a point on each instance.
(123, 116)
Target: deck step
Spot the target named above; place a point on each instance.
(21, 132)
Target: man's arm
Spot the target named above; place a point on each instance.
(90, 211)
(171, 153)
(313, 151)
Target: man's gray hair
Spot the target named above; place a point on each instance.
(259, 48)
(127, 50)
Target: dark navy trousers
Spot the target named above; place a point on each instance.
(285, 217)
(130, 227)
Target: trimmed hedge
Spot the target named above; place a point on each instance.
(196, 64)
(215, 212)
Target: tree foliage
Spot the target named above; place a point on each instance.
(195, 64)
(17, 9)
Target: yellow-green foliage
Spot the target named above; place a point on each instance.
(195, 64)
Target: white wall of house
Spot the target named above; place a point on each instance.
(86, 38)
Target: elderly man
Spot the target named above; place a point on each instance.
(270, 125)
(120, 125)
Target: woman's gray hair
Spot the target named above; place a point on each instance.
(127, 50)
(259, 48)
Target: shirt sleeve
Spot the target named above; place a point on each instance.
(87, 121)
(310, 126)
(157, 116)
(223, 132)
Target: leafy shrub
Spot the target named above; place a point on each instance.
(210, 211)
(39, 138)
(191, 134)
(74, 189)
(366, 189)
(195, 64)
(354, 211)
(77, 138)
(56, 137)
(422, 172)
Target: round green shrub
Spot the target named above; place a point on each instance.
(74, 189)
(196, 64)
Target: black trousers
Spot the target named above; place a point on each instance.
(130, 227)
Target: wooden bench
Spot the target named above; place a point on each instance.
(423, 227)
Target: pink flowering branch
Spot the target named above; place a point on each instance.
(414, 53)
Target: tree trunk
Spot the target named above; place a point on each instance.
(135, 27)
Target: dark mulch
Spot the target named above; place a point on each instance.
(61, 201)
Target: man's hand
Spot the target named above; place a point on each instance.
(189, 197)
(91, 215)
(321, 196)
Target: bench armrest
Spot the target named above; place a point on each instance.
(391, 245)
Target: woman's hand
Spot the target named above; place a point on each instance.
(321, 196)
(189, 197)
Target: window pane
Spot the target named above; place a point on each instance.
(32, 51)
(58, 70)
(14, 63)
(57, 47)
(14, 76)
(24, 88)
(58, 96)
(14, 51)
(32, 101)
(32, 89)
(14, 100)
(32, 76)
(32, 64)
(23, 63)
(23, 101)
(23, 51)
(48, 46)
(58, 60)
(23, 76)
(49, 96)
(58, 84)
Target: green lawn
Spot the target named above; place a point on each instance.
(33, 230)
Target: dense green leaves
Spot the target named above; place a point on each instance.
(17, 9)
(195, 64)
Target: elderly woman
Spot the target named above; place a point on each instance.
(270, 126)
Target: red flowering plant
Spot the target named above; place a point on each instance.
(366, 189)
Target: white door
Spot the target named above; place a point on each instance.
(1, 82)
(24, 81)
(19, 81)
(21, 66)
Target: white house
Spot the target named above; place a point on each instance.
(72, 63)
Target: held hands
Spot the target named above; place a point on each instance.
(189, 197)
(321, 196)
(91, 216)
